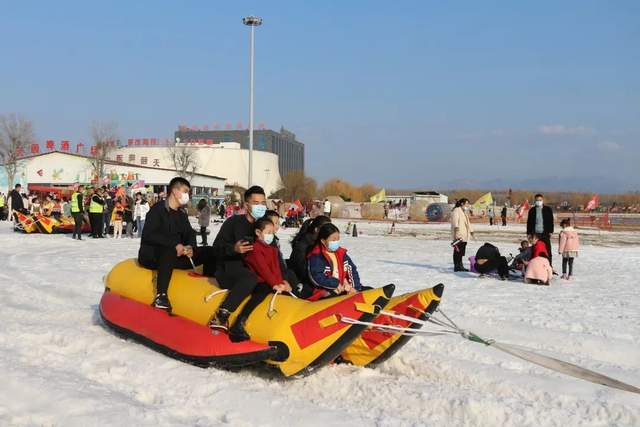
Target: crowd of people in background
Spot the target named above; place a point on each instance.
(534, 262)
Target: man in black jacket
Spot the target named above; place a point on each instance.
(540, 223)
(16, 199)
(169, 242)
(233, 241)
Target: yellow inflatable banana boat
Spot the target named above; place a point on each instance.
(296, 335)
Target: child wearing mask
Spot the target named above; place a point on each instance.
(330, 268)
(568, 248)
(301, 290)
(264, 262)
(117, 216)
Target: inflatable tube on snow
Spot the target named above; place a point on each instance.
(46, 224)
(26, 222)
(176, 336)
(373, 347)
(307, 334)
(67, 225)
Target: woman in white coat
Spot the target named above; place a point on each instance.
(461, 232)
(140, 212)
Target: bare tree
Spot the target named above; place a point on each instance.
(16, 133)
(104, 135)
(296, 185)
(184, 159)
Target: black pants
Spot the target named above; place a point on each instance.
(499, 263)
(78, 219)
(547, 242)
(567, 262)
(504, 221)
(459, 252)
(167, 260)
(96, 224)
(490, 220)
(240, 282)
(259, 294)
(203, 233)
(106, 221)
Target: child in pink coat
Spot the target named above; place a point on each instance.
(568, 248)
(539, 271)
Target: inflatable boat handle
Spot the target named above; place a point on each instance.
(213, 294)
(272, 304)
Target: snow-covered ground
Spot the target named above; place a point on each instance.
(61, 366)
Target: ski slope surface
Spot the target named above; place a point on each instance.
(61, 366)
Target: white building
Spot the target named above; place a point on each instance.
(226, 159)
(62, 169)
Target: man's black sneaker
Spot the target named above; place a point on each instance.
(238, 333)
(162, 302)
(220, 320)
(460, 268)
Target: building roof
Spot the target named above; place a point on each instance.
(113, 162)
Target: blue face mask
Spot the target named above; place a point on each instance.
(333, 245)
(268, 238)
(258, 211)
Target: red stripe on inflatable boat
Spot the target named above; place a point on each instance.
(373, 338)
(309, 330)
(177, 333)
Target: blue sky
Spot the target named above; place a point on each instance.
(402, 94)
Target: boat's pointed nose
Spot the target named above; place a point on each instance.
(389, 290)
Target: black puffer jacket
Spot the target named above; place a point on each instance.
(164, 228)
(488, 252)
(298, 259)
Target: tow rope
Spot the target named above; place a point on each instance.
(524, 353)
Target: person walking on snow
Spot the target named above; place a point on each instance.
(461, 232)
(140, 212)
(568, 248)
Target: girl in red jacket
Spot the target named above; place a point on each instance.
(264, 260)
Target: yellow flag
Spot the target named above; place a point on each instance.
(483, 202)
(378, 197)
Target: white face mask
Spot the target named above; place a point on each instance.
(184, 198)
(539, 203)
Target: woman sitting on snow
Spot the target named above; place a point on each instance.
(330, 268)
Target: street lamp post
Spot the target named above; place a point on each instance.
(253, 22)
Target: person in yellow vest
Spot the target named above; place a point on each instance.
(96, 210)
(77, 211)
(3, 209)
